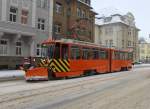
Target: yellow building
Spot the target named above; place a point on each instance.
(144, 52)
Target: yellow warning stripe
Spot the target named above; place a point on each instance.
(55, 67)
(67, 62)
(59, 66)
(64, 65)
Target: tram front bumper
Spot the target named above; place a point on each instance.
(37, 74)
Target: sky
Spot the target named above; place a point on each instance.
(139, 8)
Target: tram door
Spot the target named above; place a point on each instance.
(56, 56)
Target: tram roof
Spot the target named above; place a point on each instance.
(70, 41)
(83, 43)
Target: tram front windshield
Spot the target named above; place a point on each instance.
(48, 51)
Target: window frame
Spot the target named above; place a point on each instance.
(4, 46)
(77, 50)
(38, 47)
(57, 28)
(13, 15)
(41, 24)
(95, 55)
(42, 4)
(58, 8)
(103, 56)
(19, 48)
(87, 51)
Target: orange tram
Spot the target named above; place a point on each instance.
(67, 59)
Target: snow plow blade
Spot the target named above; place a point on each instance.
(36, 74)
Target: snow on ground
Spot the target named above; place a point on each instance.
(11, 73)
(141, 65)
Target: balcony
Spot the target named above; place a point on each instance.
(16, 28)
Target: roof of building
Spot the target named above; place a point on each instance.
(114, 16)
(109, 11)
(127, 19)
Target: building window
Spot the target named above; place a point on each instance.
(129, 33)
(58, 7)
(57, 28)
(13, 14)
(83, 14)
(24, 17)
(42, 3)
(110, 43)
(41, 24)
(129, 44)
(18, 48)
(3, 47)
(78, 12)
(38, 50)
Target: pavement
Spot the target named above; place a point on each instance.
(120, 90)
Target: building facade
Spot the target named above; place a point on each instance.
(23, 25)
(144, 52)
(118, 31)
(73, 19)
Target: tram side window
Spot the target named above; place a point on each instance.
(75, 53)
(44, 52)
(126, 56)
(117, 55)
(95, 54)
(50, 51)
(64, 52)
(103, 54)
(130, 56)
(113, 55)
(86, 54)
(121, 55)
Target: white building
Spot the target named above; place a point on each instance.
(23, 25)
(118, 31)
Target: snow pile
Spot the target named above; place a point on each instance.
(11, 73)
(142, 66)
